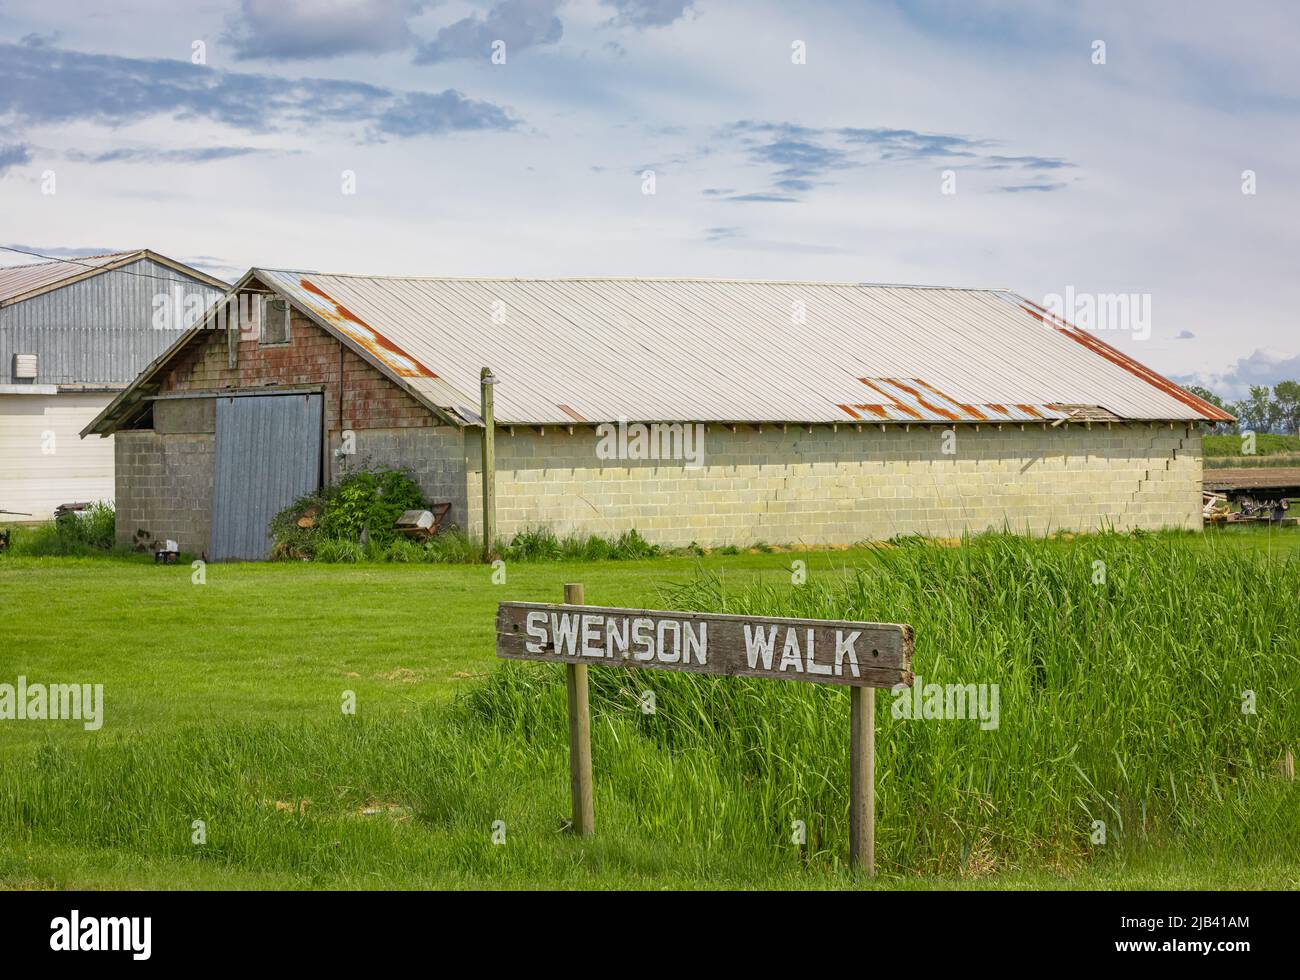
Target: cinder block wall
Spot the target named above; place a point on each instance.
(840, 486)
(435, 456)
(164, 487)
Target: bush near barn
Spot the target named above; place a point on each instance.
(74, 533)
(361, 507)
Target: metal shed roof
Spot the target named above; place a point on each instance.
(600, 350)
(22, 282)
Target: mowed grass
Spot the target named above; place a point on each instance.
(282, 641)
(1120, 702)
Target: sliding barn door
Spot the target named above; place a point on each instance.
(267, 456)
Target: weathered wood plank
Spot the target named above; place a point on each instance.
(862, 779)
(821, 651)
(580, 787)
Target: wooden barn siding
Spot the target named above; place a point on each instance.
(370, 401)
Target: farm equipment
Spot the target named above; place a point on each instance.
(1261, 495)
(64, 511)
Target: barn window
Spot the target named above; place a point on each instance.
(275, 321)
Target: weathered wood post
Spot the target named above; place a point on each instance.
(486, 381)
(584, 807)
(862, 779)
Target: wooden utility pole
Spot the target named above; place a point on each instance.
(584, 807)
(862, 779)
(486, 381)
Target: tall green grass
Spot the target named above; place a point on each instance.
(1120, 701)
(456, 547)
(78, 533)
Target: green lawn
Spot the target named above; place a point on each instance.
(1270, 450)
(280, 641)
(1266, 444)
(223, 704)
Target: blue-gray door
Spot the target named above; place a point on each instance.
(268, 455)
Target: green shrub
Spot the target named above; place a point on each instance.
(371, 501)
(542, 544)
(366, 503)
(533, 544)
(88, 532)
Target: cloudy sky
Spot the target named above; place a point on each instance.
(1081, 149)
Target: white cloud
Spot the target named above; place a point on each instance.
(1191, 95)
(1261, 367)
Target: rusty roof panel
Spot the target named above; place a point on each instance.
(677, 350)
(913, 400)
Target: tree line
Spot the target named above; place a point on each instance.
(1265, 409)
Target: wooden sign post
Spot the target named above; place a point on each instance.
(584, 805)
(861, 656)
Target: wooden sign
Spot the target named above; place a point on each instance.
(822, 651)
(863, 656)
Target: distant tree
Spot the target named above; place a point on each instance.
(1259, 409)
(1205, 394)
(1239, 409)
(1286, 405)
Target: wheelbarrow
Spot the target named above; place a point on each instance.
(421, 525)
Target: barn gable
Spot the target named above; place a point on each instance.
(74, 333)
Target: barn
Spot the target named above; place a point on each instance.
(708, 411)
(74, 334)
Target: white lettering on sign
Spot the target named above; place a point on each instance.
(825, 651)
(844, 648)
(671, 641)
(760, 645)
(666, 641)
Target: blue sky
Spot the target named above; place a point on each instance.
(1096, 178)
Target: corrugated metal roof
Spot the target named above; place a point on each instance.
(687, 350)
(672, 350)
(19, 280)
